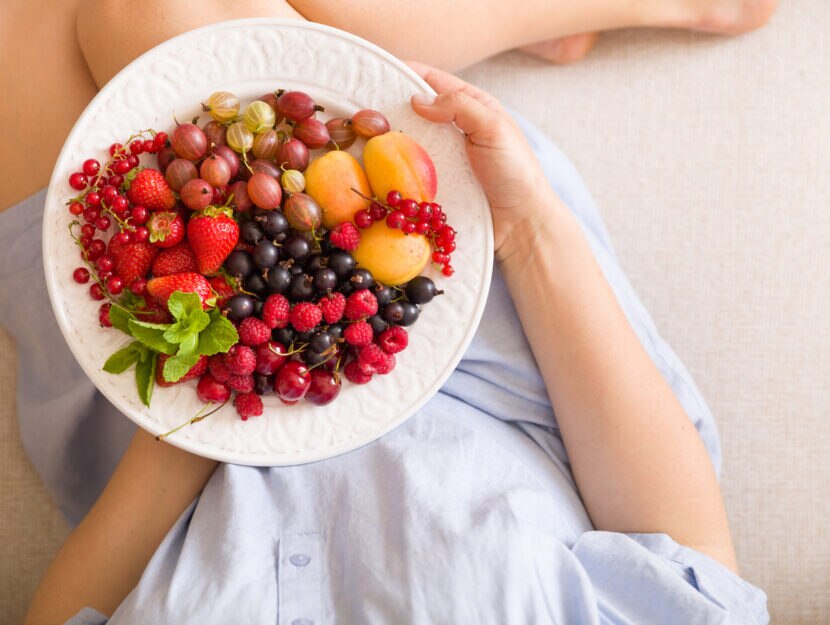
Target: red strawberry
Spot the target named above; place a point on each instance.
(195, 371)
(213, 235)
(222, 288)
(150, 189)
(166, 228)
(162, 288)
(131, 260)
(177, 259)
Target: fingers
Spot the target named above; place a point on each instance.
(444, 82)
(470, 115)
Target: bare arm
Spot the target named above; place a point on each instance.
(638, 462)
(104, 557)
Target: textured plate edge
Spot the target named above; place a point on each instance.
(193, 446)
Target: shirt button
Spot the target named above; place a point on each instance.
(300, 559)
(302, 621)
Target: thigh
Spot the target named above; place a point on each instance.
(45, 85)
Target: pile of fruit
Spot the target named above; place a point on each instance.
(234, 257)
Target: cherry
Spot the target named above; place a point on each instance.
(324, 387)
(91, 167)
(78, 181)
(211, 390)
(81, 275)
(270, 356)
(292, 381)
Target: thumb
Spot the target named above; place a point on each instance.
(470, 115)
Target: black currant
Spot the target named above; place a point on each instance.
(239, 307)
(301, 289)
(266, 254)
(361, 279)
(383, 294)
(279, 279)
(250, 232)
(239, 264)
(410, 314)
(421, 290)
(325, 279)
(297, 248)
(378, 324)
(342, 263)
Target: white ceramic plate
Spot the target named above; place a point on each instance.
(343, 73)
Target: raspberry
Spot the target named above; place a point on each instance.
(355, 374)
(241, 383)
(370, 358)
(385, 364)
(345, 236)
(305, 316)
(393, 340)
(333, 306)
(218, 369)
(240, 360)
(361, 304)
(253, 331)
(275, 311)
(248, 405)
(358, 334)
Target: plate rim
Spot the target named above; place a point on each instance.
(193, 445)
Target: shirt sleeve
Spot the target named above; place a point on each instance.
(649, 578)
(88, 616)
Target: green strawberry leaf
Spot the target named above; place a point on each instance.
(145, 376)
(128, 179)
(152, 335)
(218, 337)
(177, 366)
(120, 319)
(123, 359)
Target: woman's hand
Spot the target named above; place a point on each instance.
(499, 154)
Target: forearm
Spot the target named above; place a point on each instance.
(105, 556)
(638, 461)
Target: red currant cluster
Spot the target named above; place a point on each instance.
(102, 199)
(411, 217)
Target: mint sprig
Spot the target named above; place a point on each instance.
(194, 333)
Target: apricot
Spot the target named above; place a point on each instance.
(396, 161)
(392, 256)
(330, 179)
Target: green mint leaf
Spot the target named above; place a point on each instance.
(182, 305)
(218, 337)
(152, 337)
(145, 376)
(120, 319)
(177, 366)
(123, 359)
(188, 345)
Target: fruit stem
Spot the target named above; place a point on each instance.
(196, 418)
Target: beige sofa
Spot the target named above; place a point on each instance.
(711, 161)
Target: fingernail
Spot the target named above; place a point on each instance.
(423, 99)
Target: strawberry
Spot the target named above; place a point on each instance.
(162, 288)
(177, 259)
(131, 260)
(213, 235)
(153, 311)
(222, 288)
(196, 371)
(166, 228)
(149, 189)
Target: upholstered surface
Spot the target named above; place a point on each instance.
(710, 159)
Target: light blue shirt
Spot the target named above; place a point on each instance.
(467, 513)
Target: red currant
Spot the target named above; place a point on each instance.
(132, 159)
(448, 270)
(422, 227)
(104, 263)
(91, 214)
(160, 139)
(103, 223)
(116, 148)
(76, 208)
(424, 211)
(149, 147)
(363, 219)
(91, 167)
(120, 204)
(378, 211)
(435, 223)
(449, 246)
(409, 207)
(137, 147)
(395, 220)
(447, 233)
(104, 316)
(139, 215)
(81, 275)
(116, 180)
(408, 227)
(393, 198)
(88, 230)
(123, 237)
(122, 166)
(84, 241)
(440, 257)
(115, 285)
(141, 234)
(93, 198)
(109, 193)
(139, 287)
(78, 181)
(96, 249)
(96, 292)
